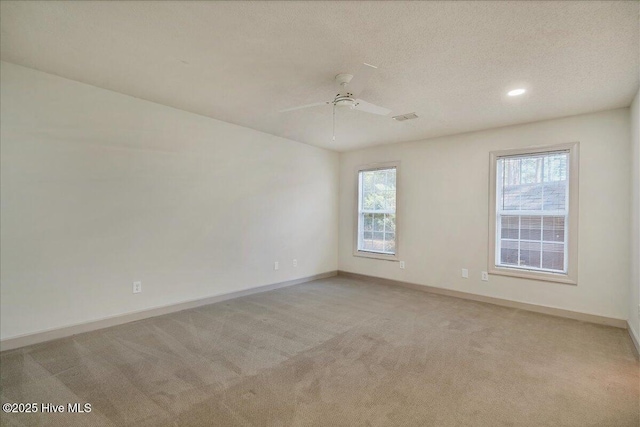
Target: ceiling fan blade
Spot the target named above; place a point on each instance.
(370, 108)
(360, 79)
(316, 104)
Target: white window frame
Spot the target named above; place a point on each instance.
(373, 167)
(571, 223)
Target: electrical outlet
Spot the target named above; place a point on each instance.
(276, 265)
(137, 287)
(402, 265)
(295, 262)
(485, 276)
(465, 273)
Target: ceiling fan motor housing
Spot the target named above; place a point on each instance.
(344, 98)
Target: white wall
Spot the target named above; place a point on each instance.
(100, 189)
(634, 283)
(444, 207)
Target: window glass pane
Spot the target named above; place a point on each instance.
(555, 167)
(511, 171)
(553, 256)
(510, 226)
(390, 198)
(530, 254)
(553, 229)
(379, 189)
(511, 198)
(509, 252)
(555, 195)
(528, 196)
(533, 182)
(392, 177)
(390, 221)
(368, 201)
(378, 222)
(367, 182)
(531, 228)
(531, 172)
(368, 222)
(390, 243)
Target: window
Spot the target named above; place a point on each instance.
(534, 213)
(376, 224)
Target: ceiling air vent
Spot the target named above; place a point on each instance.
(403, 117)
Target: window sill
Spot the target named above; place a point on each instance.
(374, 255)
(534, 275)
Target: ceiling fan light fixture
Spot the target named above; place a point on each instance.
(344, 102)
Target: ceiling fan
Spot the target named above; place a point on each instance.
(349, 87)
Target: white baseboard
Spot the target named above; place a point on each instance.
(66, 331)
(585, 317)
(634, 337)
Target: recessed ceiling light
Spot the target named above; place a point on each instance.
(516, 92)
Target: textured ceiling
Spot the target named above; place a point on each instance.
(241, 62)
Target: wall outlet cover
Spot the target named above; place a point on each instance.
(465, 273)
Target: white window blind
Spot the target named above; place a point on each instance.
(377, 211)
(532, 211)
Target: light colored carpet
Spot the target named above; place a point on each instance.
(334, 352)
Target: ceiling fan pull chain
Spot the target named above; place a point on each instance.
(334, 122)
